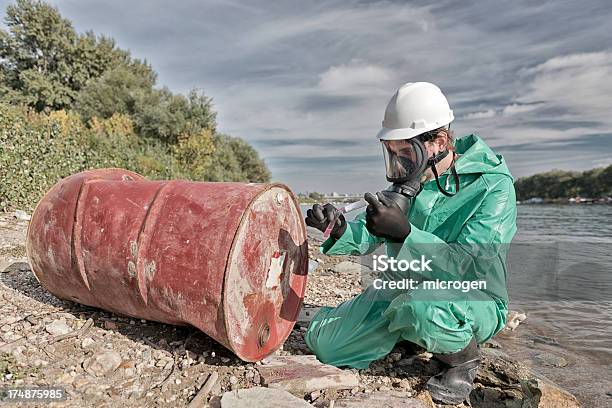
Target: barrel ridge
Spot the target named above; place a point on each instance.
(144, 240)
(75, 241)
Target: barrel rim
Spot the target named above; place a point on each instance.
(268, 187)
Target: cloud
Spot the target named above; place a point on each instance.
(578, 84)
(489, 113)
(354, 78)
(517, 108)
(307, 82)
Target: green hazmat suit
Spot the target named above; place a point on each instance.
(466, 238)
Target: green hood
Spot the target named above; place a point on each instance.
(477, 157)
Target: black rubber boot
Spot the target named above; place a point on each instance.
(453, 385)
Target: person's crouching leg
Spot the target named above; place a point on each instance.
(449, 328)
(353, 334)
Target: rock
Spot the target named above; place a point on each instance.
(102, 363)
(425, 398)
(405, 384)
(514, 319)
(348, 268)
(87, 342)
(503, 383)
(261, 397)
(492, 344)
(58, 327)
(544, 394)
(301, 375)
(395, 357)
(404, 362)
(110, 325)
(549, 359)
(551, 341)
(312, 265)
(387, 399)
(38, 363)
(307, 314)
(22, 215)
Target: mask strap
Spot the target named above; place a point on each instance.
(432, 162)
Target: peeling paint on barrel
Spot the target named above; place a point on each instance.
(178, 252)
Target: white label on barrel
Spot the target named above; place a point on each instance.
(276, 269)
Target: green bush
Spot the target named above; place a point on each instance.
(38, 149)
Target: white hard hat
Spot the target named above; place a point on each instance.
(416, 107)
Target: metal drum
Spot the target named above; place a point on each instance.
(228, 258)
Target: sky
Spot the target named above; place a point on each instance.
(307, 82)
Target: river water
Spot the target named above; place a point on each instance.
(560, 275)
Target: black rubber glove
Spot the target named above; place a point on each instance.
(320, 216)
(385, 219)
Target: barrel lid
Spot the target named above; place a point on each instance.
(265, 277)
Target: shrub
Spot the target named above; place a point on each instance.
(38, 149)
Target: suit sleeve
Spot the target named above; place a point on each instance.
(356, 240)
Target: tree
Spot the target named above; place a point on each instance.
(44, 61)
(119, 90)
(595, 183)
(252, 167)
(167, 116)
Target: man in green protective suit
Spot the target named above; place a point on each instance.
(452, 203)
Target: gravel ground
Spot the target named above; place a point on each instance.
(106, 360)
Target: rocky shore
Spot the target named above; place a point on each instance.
(102, 359)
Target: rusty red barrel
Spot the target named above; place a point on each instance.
(228, 258)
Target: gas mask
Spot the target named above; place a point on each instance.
(406, 161)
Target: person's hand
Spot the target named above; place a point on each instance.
(385, 219)
(319, 217)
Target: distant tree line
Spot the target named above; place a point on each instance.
(595, 183)
(48, 69)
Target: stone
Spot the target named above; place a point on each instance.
(307, 314)
(110, 325)
(551, 341)
(312, 265)
(504, 383)
(102, 363)
(551, 360)
(38, 363)
(543, 394)
(513, 319)
(303, 374)
(87, 342)
(58, 327)
(387, 399)
(348, 268)
(22, 215)
(405, 384)
(395, 356)
(261, 397)
(492, 344)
